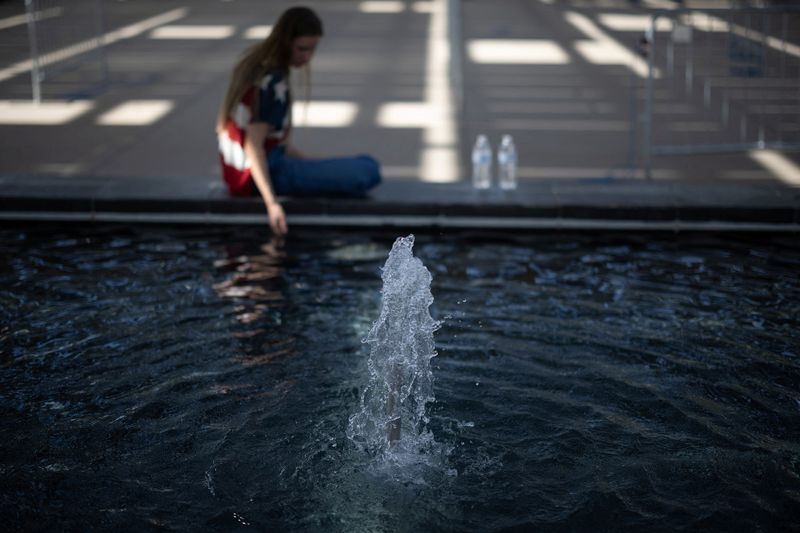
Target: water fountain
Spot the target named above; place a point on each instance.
(392, 416)
(562, 402)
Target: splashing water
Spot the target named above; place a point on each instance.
(392, 418)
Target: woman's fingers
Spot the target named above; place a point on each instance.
(279, 226)
(277, 219)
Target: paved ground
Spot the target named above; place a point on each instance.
(562, 76)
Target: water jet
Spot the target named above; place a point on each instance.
(393, 404)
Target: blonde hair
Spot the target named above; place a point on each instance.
(272, 53)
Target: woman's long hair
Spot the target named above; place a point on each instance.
(274, 52)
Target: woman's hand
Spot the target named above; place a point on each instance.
(277, 218)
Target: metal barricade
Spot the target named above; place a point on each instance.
(66, 43)
(734, 72)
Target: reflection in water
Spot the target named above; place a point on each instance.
(255, 287)
(255, 279)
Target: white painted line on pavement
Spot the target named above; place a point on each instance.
(406, 115)
(640, 23)
(438, 161)
(603, 49)
(136, 113)
(438, 164)
(382, 6)
(207, 32)
(111, 37)
(660, 4)
(516, 51)
(42, 114)
(423, 7)
(257, 32)
(773, 42)
(778, 164)
(710, 23)
(704, 22)
(324, 114)
(19, 20)
(439, 158)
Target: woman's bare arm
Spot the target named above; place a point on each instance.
(254, 149)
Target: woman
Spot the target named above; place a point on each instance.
(255, 122)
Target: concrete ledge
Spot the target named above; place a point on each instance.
(406, 221)
(542, 204)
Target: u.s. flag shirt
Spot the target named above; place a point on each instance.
(269, 102)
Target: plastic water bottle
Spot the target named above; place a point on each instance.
(507, 164)
(482, 163)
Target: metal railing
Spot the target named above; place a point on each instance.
(733, 73)
(66, 43)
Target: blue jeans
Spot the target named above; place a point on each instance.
(341, 176)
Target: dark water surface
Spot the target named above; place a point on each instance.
(202, 379)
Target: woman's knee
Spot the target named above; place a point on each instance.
(371, 172)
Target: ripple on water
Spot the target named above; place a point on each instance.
(201, 378)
